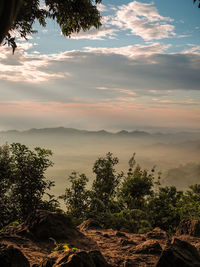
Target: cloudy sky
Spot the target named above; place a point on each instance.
(140, 70)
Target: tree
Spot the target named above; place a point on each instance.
(22, 179)
(71, 16)
(163, 208)
(136, 186)
(189, 203)
(106, 181)
(76, 197)
(6, 167)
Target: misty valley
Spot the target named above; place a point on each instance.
(176, 156)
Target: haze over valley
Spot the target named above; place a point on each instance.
(175, 155)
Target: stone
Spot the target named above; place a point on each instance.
(179, 254)
(12, 257)
(44, 224)
(120, 234)
(149, 247)
(98, 258)
(106, 235)
(81, 259)
(157, 233)
(126, 242)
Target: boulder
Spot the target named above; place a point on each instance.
(98, 259)
(12, 257)
(89, 224)
(149, 247)
(44, 224)
(189, 227)
(157, 233)
(120, 234)
(179, 254)
(79, 258)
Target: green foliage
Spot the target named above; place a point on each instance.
(30, 183)
(135, 221)
(189, 203)
(22, 181)
(76, 197)
(19, 16)
(136, 202)
(6, 180)
(105, 184)
(136, 186)
(163, 211)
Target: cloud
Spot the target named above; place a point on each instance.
(101, 7)
(22, 67)
(188, 102)
(131, 67)
(131, 51)
(144, 20)
(195, 49)
(96, 87)
(96, 34)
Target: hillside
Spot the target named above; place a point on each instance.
(30, 244)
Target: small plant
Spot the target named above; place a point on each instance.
(59, 246)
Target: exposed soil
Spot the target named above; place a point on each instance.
(120, 249)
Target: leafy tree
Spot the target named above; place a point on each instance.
(71, 16)
(189, 203)
(106, 182)
(6, 167)
(30, 182)
(22, 180)
(76, 197)
(135, 187)
(163, 208)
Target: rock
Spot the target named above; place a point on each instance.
(149, 247)
(106, 236)
(125, 242)
(157, 233)
(89, 224)
(48, 262)
(179, 254)
(189, 227)
(45, 224)
(128, 263)
(98, 259)
(120, 234)
(12, 257)
(80, 259)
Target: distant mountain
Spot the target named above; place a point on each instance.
(62, 131)
(72, 131)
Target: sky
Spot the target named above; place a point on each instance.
(140, 70)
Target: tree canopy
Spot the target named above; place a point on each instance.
(22, 181)
(18, 16)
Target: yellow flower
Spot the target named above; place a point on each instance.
(66, 247)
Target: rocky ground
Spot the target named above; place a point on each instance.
(30, 244)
